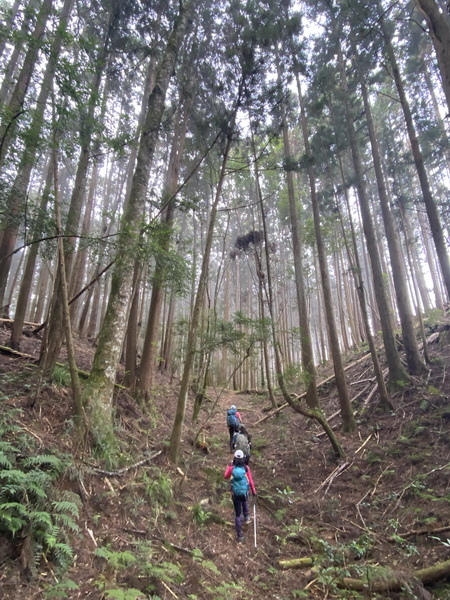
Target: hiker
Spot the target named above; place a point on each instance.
(242, 440)
(241, 482)
(233, 422)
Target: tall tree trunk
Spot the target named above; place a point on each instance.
(89, 329)
(42, 292)
(308, 411)
(437, 288)
(12, 66)
(132, 334)
(344, 308)
(133, 328)
(17, 269)
(312, 398)
(439, 29)
(355, 266)
(166, 352)
(260, 278)
(177, 430)
(414, 361)
(27, 279)
(14, 109)
(348, 420)
(79, 415)
(430, 205)
(98, 390)
(52, 341)
(16, 200)
(9, 24)
(148, 360)
(82, 256)
(397, 373)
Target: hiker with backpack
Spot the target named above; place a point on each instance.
(241, 484)
(242, 440)
(233, 422)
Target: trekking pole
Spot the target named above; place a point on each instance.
(254, 522)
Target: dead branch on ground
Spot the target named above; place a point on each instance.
(334, 475)
(121, 472)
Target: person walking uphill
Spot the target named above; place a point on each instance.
(233, 422)
(242, 440)
(241, 483)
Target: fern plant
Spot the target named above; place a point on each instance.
(158, 487)
(61, 376)
(29, 505)
(59, 590)
(142, 560)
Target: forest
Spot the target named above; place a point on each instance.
(205, 204)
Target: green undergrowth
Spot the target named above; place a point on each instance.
(34, 512)
(142, 563)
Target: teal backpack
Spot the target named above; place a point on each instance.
(239, 481)
(232, 420)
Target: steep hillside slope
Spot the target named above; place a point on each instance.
(145, 530)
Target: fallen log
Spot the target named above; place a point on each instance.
(81, 373)
(434, 573)
(432, 338)
(7, 350)
(319, 384)
(3, 320)
(295, 563)
(426, 531)
(397, 581)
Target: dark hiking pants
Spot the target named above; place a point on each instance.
(240, 512)
(232, 430)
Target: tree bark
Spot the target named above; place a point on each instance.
(260, 278)
(133, 327)
(430, 254)
(177, 430)
(166, 346)
(79, 415)
(414, 361)
(14, 109)
(12, 66)
(355, 265)
(397, 374)
(348, 420)
(430, 205)
(148, 360)
(439, 29)
(27, 279)
(312, 398)
(17, 197)
(9, 24)
(97, 393)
